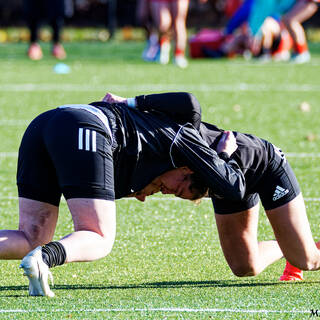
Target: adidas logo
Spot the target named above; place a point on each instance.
(279, 193)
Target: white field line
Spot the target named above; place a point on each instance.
(302, 155)
(14, 122)
(8, 154)
(71, 87)
(288, 154)
(186, 310)
(153, 198)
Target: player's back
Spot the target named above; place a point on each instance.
(252, 154)
(141, 148)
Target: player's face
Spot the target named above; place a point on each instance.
(177, 182)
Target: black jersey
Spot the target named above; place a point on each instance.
(252, 154)
(266, 173)
(109, 151)
(149, 143)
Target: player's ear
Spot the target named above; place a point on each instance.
(186, 170)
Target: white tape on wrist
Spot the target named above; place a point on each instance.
(131, 102)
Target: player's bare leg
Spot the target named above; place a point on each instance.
(161, 16)
(238, 237)
(37, 223)
(93, 238)
(292, 230)
(95, 229)
(179, 11)
(302, 11)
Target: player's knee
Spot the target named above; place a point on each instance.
(241, 272)
(106, 245)
(164, 26)
(100, 249)
(288, 21)
(34, 235)
(245, 270)
(104, 251)
(308, 264)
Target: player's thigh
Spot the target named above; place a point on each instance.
(161, 15)
(292, 230)
(142, 10)
(301, 11)
(37, 220)
(238, 235)
(54, 9)
(179, 10)
(282, 200)
(96, 215)
(34, 9)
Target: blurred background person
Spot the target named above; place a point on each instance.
(143, 15)
(293, 19)
(293, 13)
(276, 42)
(273, 44)
(234, 34)
(51, 11)
(171, 15)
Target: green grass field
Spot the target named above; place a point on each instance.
(166, 262)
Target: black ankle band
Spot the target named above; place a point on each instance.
(54, 254)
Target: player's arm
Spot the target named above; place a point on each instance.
(182, 107)
(222, 174)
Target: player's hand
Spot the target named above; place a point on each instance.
(149, 190)
(227, 143)
(138, 195)
(112, 98)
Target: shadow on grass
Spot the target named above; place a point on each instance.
(161, 285)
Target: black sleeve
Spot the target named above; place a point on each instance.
(224, 179)
(182, 107)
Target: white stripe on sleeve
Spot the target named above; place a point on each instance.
(94, 141)
(87, 139)
(80, 139)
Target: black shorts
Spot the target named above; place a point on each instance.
(66, 151)
(277, 186)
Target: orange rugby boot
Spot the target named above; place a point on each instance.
(35, 52)
(291, 273)
(58, 51)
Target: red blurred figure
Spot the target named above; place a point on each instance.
(231, 7)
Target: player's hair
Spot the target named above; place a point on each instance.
(198, 188)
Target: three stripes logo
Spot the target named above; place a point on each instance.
(279, 193)
(87, 140)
